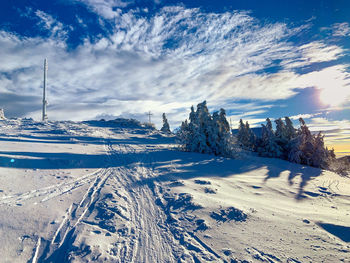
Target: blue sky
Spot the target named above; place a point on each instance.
(110, 58)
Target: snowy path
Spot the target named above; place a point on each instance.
(135, 227)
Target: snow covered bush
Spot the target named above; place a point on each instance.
(206, 133)
(165, 128)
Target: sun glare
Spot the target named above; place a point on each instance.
(333, 85)
(334, 96)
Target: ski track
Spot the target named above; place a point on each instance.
(148, 237)
(51, 191)
(157, 242)
(56, 250)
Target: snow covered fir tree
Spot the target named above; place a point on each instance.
(166, 127)
(210, 133)
(206, 133)
(286, 142)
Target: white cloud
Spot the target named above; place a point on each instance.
(162, 63)
(52, 25)
(341, 29)
(107, 8)
(314, 52)
(304, 116)
(338, 29)
(324, 124)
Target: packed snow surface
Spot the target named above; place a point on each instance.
(119, 192)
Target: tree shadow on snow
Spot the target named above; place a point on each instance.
(176, 165)
(306, 173)
(74, 139)
(342, 232)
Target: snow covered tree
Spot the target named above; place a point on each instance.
(282, 136)
(184, 135)
(203, 121)
(206, 133)
(290, 131)
(194, 136)
(309, 149)
(269, 146)
(224, 125)
(320, 157)
(281, 131)
(269, 125)
(220, 134)
(246, 136)
(242, 133)
(251, 137)
(166, 127)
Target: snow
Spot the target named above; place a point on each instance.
(115, 191)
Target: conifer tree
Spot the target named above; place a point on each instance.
(166, 127)
(251, 138)
(290, 130)
(241, 136)
(309, 149)
(269, 146)
(280, 130)
(269, 125)
(206, 133)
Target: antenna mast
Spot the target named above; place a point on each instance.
(44, 117)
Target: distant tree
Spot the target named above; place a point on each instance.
(251, 137)
(184, 136)
(242, 134)
(269, 146)
(224, 125)
(269, 125)
(166, 127)
(246, 136)
(2, 114)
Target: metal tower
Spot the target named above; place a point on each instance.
(44, 117)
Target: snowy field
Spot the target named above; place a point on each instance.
(118, 192)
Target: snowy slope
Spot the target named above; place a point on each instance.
(118, 192)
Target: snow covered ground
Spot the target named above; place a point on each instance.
(117, 192)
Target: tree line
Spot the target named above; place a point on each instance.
(210, 133)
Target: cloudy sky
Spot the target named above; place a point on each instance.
(110, 58)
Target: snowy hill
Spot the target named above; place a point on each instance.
(105, 191)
